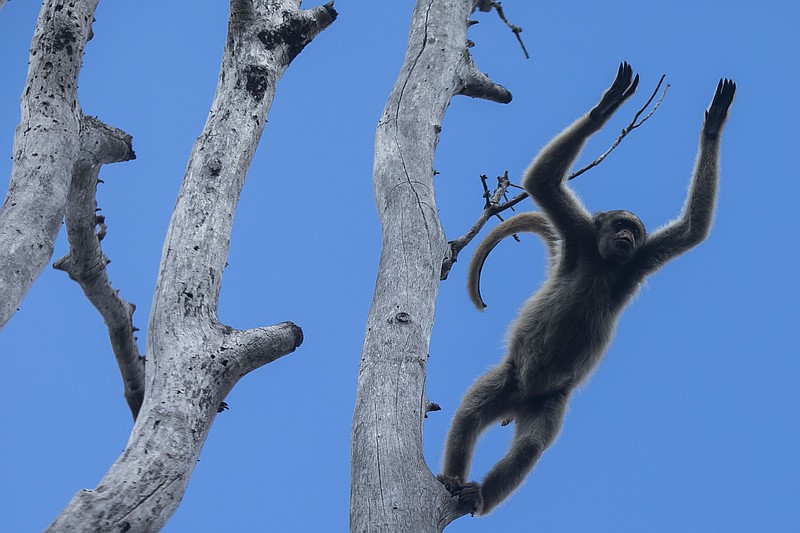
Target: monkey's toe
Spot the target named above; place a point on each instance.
(470, 498)
(450, 483)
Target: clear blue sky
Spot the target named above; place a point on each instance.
(691, 422)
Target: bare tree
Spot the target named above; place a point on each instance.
(392, 489)
(193, 360)
(46, 146)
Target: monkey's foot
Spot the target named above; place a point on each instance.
(470, 499)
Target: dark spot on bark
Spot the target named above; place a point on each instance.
(215, 165)
(256, 81)
(125, 526)
(403, 317)
(63, 41)
(293, 35)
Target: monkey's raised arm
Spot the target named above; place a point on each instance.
(524, 222)
(694, 223)
(544, 178)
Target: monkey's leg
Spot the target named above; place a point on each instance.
(536, 429)
(489, 399)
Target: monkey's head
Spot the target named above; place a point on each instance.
(620, 234)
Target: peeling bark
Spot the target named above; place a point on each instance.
(392, 489)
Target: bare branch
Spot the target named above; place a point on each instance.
(629, 128)
(431, 407)
(253, 348)
(493, 207)
(488, 5)
(476, 84)
(85, 262)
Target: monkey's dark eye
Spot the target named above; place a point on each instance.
(620, 225)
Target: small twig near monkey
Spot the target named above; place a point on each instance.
(488, 5)
(494, 206)
(496, 202)
(629, 128)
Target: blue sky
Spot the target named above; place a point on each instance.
(690, 424)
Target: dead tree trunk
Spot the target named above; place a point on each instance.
(392, 489)
(193, 360)
(46, 147)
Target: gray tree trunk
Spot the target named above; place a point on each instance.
(46, 147)
(193, 360)
(392, 489)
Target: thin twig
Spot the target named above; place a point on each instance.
(629, 128)
(493, 207)
(487, 5)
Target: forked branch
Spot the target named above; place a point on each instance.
(496, 202)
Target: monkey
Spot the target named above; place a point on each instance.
(562, 331)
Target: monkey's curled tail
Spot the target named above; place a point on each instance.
(531, 222)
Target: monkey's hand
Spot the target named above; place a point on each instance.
(470, 498)
(623, 88)
(717, 112)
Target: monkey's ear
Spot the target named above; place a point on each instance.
(599, 217)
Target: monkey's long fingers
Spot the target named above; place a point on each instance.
(631, 89)
(717, 112)
(724, 95)
(623, 79)
(623, 87)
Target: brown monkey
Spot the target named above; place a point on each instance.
(563, 330)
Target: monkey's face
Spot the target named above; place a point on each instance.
(620, 234)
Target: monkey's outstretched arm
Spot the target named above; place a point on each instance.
(531, 222)
(543, 179)
(694, 223)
